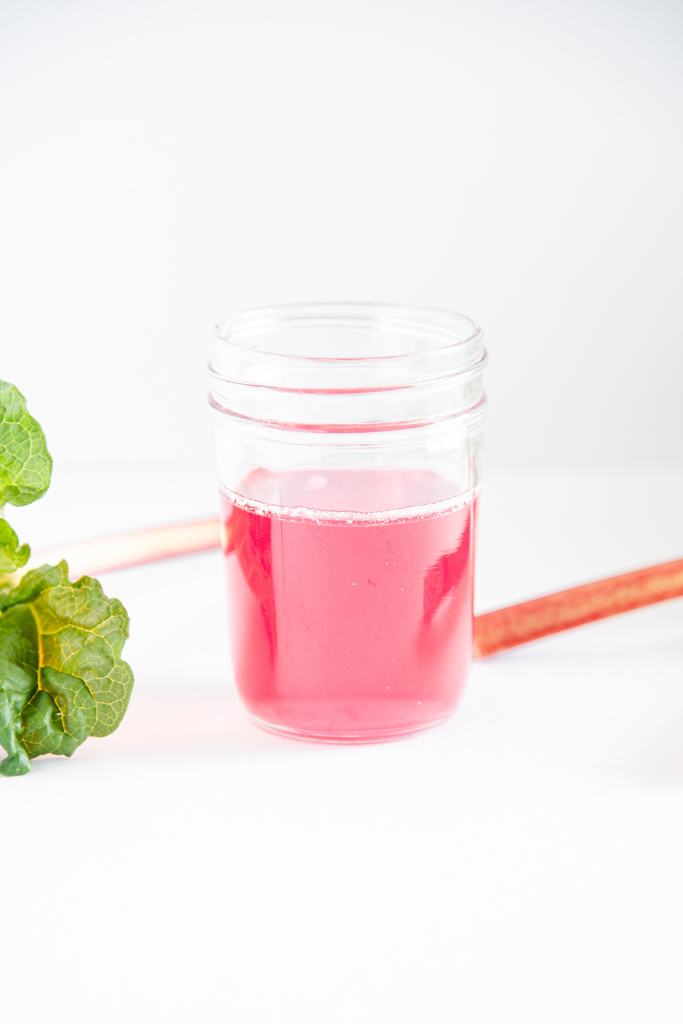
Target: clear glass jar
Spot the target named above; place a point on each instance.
(348, 444)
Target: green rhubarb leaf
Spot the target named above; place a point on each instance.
(60, 715)
(13, 555)
(18, 674)
(25, 463)
(25, 469)
(62, 677)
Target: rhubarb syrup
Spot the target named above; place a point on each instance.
(349, 626)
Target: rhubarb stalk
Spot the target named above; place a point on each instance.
(520, 623)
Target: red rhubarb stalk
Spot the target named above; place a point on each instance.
(520, 623)
(134, 547)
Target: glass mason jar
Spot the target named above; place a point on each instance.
(348, 443)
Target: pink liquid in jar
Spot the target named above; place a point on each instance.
(349, 626)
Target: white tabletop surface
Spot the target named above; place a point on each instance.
(523, 862)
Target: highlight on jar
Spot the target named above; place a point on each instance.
(347, 440)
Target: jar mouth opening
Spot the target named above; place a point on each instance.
(372, 334)
(347, 365)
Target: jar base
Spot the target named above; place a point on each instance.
(350, 738)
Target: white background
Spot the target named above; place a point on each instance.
(167, 164)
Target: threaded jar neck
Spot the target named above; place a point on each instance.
(347, 367)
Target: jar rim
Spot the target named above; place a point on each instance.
(448, 330)
(360, 364)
